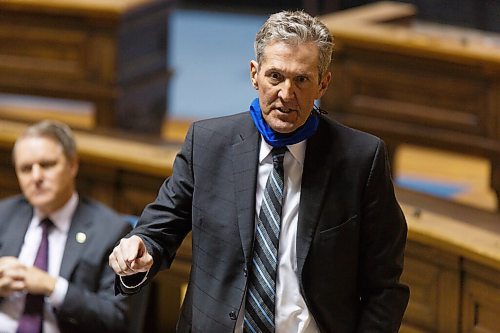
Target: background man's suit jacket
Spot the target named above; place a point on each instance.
(351, 231)
(90, 304)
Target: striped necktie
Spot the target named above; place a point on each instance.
(259, 307)
(32, 317)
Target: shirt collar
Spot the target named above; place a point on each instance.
(62, 217)
(297, 150)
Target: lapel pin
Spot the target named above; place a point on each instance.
(81, 237)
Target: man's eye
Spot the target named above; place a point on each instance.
(25, 169)
(275, 77)
(302, 79)
(47, 164)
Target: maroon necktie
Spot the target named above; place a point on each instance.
(32, 317)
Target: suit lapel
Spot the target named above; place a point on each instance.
(245, 164)
(13, 238)
(80, 225)
(315, 177)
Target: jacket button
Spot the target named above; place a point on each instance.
(232, 315)
(245, 271)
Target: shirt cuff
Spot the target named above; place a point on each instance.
(130, 282)
(57, 297)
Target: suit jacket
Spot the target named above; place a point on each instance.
(90, 304)
(351, 231)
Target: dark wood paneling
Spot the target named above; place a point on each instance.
(111, 55)
(438, 88)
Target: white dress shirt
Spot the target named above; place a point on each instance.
(12, 307)
(291, 313)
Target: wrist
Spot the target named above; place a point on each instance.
(50, 285)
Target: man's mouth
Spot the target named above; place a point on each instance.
(285, 110)
(39, 191)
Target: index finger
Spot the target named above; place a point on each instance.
(131, 248)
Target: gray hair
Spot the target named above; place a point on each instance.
(294, 27)
(55, 130)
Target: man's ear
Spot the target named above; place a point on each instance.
(74, 166)
(254, 68)
(323, 85)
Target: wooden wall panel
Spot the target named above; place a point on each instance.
(433, 277)
(481, 299)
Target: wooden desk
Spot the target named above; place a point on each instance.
(415, 82)
(452, 265)
(111, 53)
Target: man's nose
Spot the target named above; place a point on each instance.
(36, 172)
(287, 90)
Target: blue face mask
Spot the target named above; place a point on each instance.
(276, 139)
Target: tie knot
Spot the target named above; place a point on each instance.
(46, 223)
(278, 153)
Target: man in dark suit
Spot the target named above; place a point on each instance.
(308, 241)
(75, 294)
